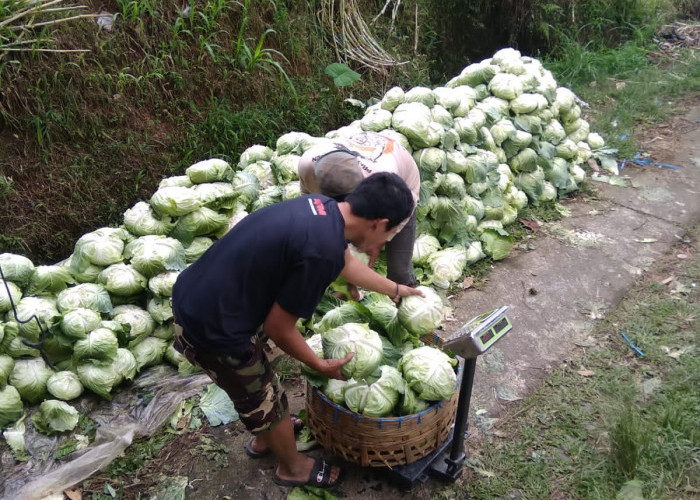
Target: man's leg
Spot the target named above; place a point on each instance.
(258, 396)
(399, 254)
(293, 466)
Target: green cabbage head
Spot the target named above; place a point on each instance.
(16, 268)
(410, 403)
(122, 279)
(175, 201)
(334, 389)
(141, 323)
(77, 323)
(424, 246)
(153, 254)
(11, 407)
(99, 378)
(429, 372)
(379, 398)
(125, 364)
(49, 280)
(29, 377)
(149, 352)
(358, 338)
(6, 365)
(100, 345)
(141, 220)
(64, 385)
(14, 296)
(211, 170)
(420, 315)
(88, 295)
(55, 416)
(345, 313)
(42, 308)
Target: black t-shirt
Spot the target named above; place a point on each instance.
(288, 252)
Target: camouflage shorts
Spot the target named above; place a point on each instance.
(247, 378)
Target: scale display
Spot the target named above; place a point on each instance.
(478, 334)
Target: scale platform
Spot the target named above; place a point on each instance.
(478, 334)
(446, 462)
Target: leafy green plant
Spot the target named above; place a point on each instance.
(135, 10)
(5, 186)
(208, 47)
(208, 16)
(248, 59)
(342, 74)
(263, 58)
(628, 440)
(9, 243)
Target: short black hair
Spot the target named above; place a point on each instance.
(382, 196)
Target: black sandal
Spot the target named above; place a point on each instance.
(319, 477)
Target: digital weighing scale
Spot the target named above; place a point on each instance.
(474, 338)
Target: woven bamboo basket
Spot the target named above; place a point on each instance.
(379, 442)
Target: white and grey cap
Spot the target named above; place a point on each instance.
(338, 172)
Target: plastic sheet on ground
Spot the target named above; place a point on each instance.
(122, 420)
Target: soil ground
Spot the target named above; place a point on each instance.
(557, 285)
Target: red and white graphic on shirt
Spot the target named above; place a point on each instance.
(317, 206)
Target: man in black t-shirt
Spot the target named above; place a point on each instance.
(269, 270)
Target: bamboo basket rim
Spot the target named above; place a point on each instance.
(357, 417)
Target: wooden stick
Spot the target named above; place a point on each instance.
(37, 10)
(8, 49)
(50, 23)
(415, 39)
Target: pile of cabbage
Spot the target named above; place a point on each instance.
(498, 136)
(495, 138)
(389, 375)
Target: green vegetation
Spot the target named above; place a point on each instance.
(86, 135)
(632, 84)
(455, 31)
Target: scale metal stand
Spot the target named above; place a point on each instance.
(445, 462)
